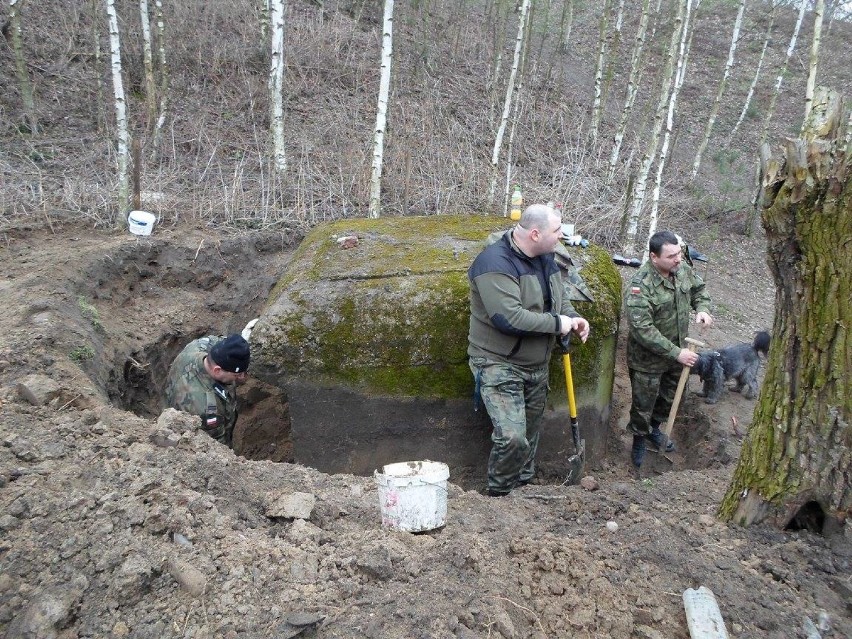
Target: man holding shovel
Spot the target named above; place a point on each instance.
(518, 305)
(658, 301)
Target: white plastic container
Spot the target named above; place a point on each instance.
(141, 222)
(413, 495)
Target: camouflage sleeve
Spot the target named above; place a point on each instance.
(642, 327)
(700, 298)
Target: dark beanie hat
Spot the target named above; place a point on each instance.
(231, 354)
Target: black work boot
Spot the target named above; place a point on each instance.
(659, 441)
(637, 453)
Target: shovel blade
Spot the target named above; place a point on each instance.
(576, 465)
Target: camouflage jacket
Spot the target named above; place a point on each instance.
(658, 315)
(191, 389)
(515, 302)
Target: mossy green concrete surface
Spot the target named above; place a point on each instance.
(390, 315)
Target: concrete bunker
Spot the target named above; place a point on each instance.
(367, 332)
(137, 306)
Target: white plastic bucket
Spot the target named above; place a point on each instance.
(413, 495)
(141, 222)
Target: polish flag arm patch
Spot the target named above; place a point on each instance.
(634, 290)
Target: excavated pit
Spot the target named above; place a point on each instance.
(154, 296)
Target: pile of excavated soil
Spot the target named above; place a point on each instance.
(119, 521)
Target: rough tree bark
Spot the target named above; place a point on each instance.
(796, 463)
(26, 87)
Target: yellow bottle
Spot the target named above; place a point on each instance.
(517, 204)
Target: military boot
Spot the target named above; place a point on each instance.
(637, 452)
(659, 441)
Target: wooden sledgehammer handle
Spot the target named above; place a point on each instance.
(691, 344)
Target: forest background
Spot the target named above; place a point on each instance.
(206, 150)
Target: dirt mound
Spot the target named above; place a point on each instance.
(119, 521)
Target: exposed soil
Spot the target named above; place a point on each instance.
(116, 521)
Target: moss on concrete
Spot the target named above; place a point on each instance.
(390, 316)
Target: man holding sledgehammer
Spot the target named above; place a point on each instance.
(658, 301)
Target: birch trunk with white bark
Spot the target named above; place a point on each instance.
(603, 42)
(507, 102)
(148, 63)
(714, 111)
(780, 79)
(751, 87)
(120, 104)
(381, 111)
(641, 182)
(275, 85)
(632, 88)
(680, 75)
(813, 61)
(164, 70)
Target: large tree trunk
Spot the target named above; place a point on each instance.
(796, 462)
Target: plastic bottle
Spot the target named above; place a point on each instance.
(517, 203)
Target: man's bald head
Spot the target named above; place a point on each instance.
(538, 230)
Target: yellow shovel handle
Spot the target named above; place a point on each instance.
(569, 385)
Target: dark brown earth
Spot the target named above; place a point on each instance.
(105, 505)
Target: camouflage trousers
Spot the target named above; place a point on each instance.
(653, 394)
(515, 400)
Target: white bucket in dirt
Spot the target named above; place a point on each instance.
(141, 222)
(413, 495)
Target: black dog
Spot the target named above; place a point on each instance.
(740, 362)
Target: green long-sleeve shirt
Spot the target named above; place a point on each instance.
(658, 315)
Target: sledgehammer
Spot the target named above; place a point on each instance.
(691, 344)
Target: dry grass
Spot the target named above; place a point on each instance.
(212, 161)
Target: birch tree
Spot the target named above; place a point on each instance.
(120, 104)
(680, 75)
(753, 84)
(381, 111)
(163, 68)
(603, 40)
(276, 83)
(797, 456)
(632, 87)
(714, 111)
(565, 24)
(96, 47)
(612, 58)
(16, 33)
(148, 63)
(516, 107)
(783, 72)
(819, 10)
(507, 102)
(640, 184)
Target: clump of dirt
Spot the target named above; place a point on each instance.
(119, 521)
